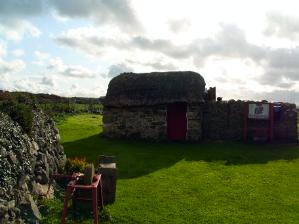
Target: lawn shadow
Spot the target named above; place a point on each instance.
(139, 158)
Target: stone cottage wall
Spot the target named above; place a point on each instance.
(223, 120)
(135, 122)
(194, 117)
(211, 121)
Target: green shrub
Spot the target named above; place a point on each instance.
(20, 113)
(6, 96)
(75, 165)
(24, 116)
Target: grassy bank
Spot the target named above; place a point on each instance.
(192, 183)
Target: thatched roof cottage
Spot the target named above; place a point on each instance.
(158, 105)
(175, 106)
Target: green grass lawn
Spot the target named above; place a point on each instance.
(192, 183)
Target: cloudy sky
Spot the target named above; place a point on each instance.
(247, 49)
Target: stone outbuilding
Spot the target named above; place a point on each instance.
(158, 105)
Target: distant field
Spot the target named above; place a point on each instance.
(58, 108)
(192, 183)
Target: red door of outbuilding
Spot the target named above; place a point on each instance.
(176, 121)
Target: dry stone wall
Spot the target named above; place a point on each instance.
(223, 120)
(18, 155)
(135, 122)
(26, 161)
(50, 154)
(285, 125)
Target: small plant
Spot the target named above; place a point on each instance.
(105, 215)
(75, 165)
(50, 210)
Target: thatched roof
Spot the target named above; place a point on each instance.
(140, 89)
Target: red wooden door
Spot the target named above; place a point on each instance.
(176, 121)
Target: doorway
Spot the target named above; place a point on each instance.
(177, 121)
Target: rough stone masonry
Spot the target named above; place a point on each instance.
(26, 163)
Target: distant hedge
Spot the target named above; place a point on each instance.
(19, 106)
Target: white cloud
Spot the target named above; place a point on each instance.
(11, 66)
(49, 81)
(230, 41)
(255, 67)
(291, 96)
(78, 71)
(14, 18)
(3, 81)
(18, 52)
(92, 91)
(156, 64)
(282, 26)
(113, 12)
(179, 25)
(241, 53)
(91, 40)
(74, 86)
(26, 84)
(56, 64)
(16, 8)
(115, 70)
(2, 49)
(18, 30)
(41, 55)
(41, 58)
